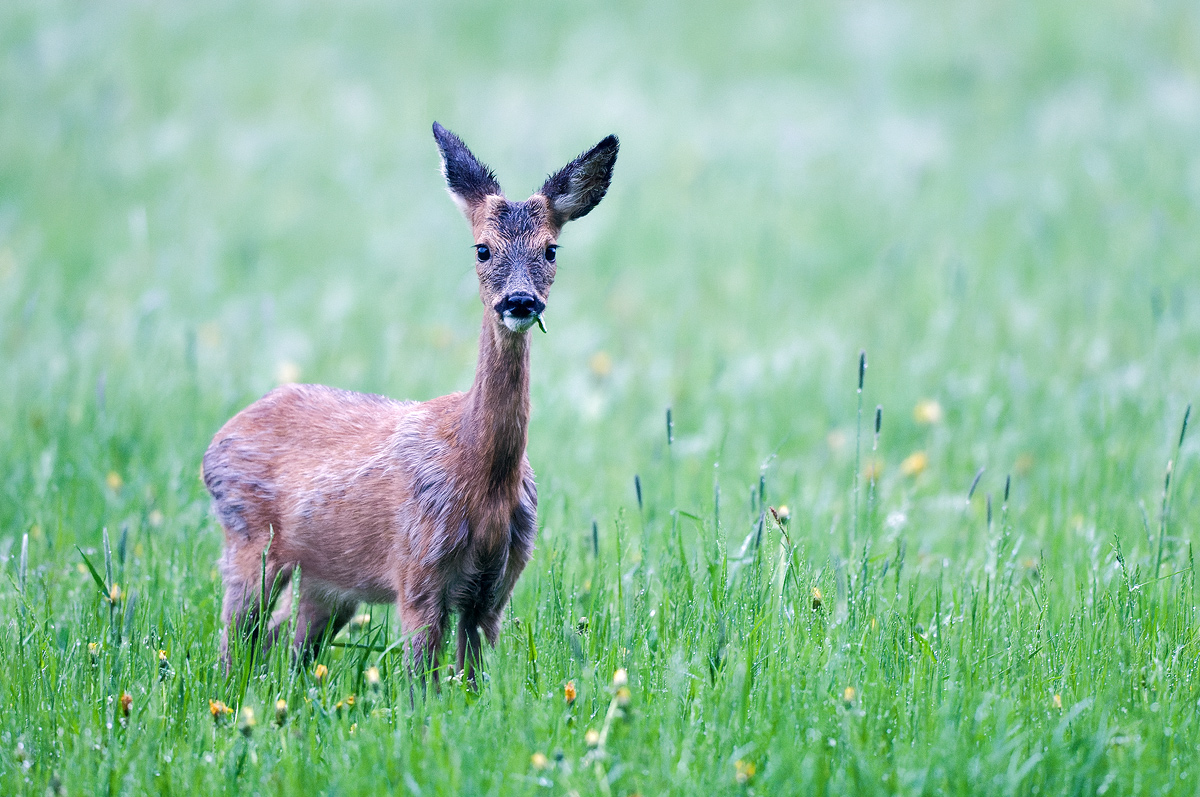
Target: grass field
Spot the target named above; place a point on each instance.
(999, 203)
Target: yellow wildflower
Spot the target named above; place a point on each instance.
(126, 703)
(927, 412)
(219, 710)
(287, 372)
(247, 721)
(601, 364)
(914, 463)
(872, 468)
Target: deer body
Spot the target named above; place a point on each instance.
(430, 505)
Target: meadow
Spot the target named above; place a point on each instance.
(997, 205)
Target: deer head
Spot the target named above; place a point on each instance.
(515, 242)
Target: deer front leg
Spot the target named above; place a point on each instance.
(313, 620)
(470, 656)
(426, 623)
(242, 569)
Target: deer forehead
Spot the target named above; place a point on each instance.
(501, 222)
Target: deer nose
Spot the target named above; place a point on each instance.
(520, 305)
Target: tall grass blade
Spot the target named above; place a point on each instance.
(108, 564)
(1162, 517)
(852, 533)
(130, 604)
(23, 568)
(104, 589)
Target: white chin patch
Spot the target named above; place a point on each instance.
(519, 324)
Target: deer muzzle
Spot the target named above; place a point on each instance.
(520, 311)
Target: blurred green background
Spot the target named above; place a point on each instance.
(998, 202)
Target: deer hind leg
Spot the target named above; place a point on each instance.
(242, 570)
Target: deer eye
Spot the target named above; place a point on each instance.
(482, 253)
(550, 250)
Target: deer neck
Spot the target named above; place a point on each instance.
(496, 411)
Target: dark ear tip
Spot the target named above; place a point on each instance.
(445, 138)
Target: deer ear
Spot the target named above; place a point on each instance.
(468, 180)
(579, 186)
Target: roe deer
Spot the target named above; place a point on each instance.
(431, 505)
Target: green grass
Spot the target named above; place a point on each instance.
(997, 202)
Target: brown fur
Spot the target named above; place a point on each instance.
(430, 505)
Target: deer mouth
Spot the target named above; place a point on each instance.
(517, 324)
(520, 311)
